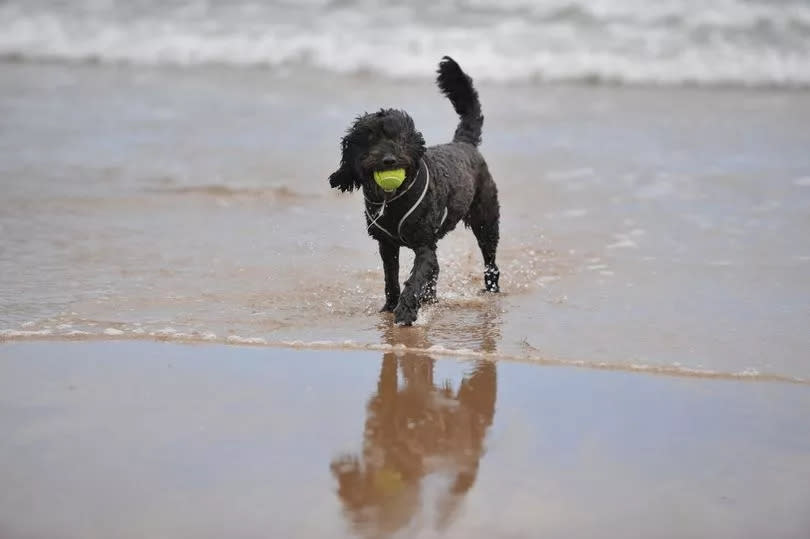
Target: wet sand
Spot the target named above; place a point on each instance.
(653, 238)
(139, 439)
(642, 227)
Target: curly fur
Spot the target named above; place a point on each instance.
(460, 184)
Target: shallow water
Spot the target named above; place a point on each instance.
(643, 228)
(121, 439)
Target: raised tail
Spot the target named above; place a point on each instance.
(458, 87)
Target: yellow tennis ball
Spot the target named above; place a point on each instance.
(389, 179)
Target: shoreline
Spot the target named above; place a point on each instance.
(438, 351)
(643, 230)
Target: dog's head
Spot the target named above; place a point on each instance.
(383, 140)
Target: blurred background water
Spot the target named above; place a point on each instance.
(750, 42)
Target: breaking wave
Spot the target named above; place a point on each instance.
(724, 42)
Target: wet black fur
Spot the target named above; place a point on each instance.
(459, 181)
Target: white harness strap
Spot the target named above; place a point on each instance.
(444, 216)
(419, 201)
(374, 220)
(408, 213)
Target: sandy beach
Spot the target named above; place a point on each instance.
(213, 358)
(125, 439)
(190, 342)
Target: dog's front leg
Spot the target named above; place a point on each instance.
(425, 265)
(390, 257)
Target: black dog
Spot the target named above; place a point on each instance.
(443, 185)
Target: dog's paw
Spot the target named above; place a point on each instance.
(388, 308)
(491, 277)
(404, 315)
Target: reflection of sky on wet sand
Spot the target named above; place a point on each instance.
(144, 440)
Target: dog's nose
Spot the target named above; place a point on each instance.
(389, 160)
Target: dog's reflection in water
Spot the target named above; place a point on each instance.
(416, 427)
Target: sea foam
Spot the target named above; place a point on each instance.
(674, 42)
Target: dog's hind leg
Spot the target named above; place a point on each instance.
(483, 218)
(425, 266)
(390, 258)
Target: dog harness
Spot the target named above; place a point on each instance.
(373, 220)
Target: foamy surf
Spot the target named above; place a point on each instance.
(203, 337)
(677, 42)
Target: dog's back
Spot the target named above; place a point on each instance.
(470, 193)
(466, 187)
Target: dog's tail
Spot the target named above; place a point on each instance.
(458, 87)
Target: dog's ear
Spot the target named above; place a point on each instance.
(415, 145)
(344, 177)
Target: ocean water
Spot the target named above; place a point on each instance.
(164, 176)
(750, 42)
(649, 229)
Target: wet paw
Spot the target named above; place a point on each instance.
(404, 315)
(491, 276)
(388, 308)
